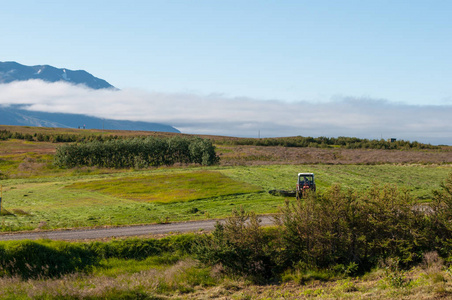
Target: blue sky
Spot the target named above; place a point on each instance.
(316, 52)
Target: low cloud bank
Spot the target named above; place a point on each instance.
(244, 117)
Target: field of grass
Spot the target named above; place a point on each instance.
(181, 194)
(166, 188)
(420, 180)
(73, 202)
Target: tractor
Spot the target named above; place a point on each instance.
(305, 184)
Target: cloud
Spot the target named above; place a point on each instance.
(245, 117)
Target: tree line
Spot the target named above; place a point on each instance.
(298, 141)
(330, 142)
(55, 137)
(137, 153)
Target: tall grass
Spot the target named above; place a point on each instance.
(48, 259)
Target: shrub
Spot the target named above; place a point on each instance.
(328, 142)
(42, 259)
(137, 153)
(338, 230)
(240, 246)
(342, 227)
(142, 248)
(29, 259)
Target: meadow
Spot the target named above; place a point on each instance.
(37, 195)
(182, 194)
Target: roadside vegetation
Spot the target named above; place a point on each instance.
(339, 230)
(378, 228)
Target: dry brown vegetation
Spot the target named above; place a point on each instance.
(259, 155)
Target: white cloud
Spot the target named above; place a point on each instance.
(219, 115)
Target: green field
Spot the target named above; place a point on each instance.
(181, 194)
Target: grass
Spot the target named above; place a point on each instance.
(184, 279)
(166, 188)
(420, 180)
(177, 280)
(87, 199)
(49, 203)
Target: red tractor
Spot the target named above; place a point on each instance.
(305, 184)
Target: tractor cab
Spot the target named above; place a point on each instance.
(305, 183)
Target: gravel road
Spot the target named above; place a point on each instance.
(139, 230)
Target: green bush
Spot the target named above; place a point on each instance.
(41, 259)
(29, 259)
(344, 227)
(338, 230)
(142, 248)
(327, 142)
(127, 249)
(242, 247)
(137, 153)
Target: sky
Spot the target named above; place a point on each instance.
(371, 69)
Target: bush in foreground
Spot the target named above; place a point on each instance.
(339, 230)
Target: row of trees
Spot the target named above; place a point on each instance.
(137, 153)
(327, 142)
(339, 230)
(298, 141)
(55, 137)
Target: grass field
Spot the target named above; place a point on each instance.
(39, 195)
(167, 188)
(181, 194)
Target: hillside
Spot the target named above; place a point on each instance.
(14, 115)
(17, 115)
(12, 71)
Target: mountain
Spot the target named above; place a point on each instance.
(12, 71)
(16, 115)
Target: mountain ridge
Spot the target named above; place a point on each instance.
(17, 114)
(11, 71)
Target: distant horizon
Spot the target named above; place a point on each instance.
(392, 139)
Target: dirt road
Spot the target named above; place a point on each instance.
(139, 230)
